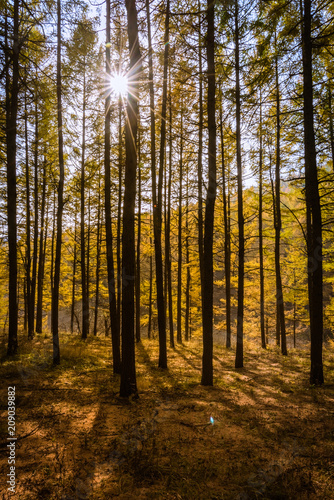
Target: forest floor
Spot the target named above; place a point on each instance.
(260, 432)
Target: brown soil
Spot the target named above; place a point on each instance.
(260, 433)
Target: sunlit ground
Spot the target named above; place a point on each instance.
(260, 432)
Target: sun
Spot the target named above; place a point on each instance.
(119, 84)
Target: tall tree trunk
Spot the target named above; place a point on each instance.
(56, 278)
(98, 258)
(11, 132)
(149, 326)
(119, 213)
(280, 317)
(88, 256)
(158, 210)
(263, 335)
(157, 197)
(227, 240)
(27, 294)
(331, 128)
(138, 336)
(239, 361)
(167, 230)
(207, 298)
(186, 323)
(128, 372)
(41, 259)
(179, 257)
(200, 153)
(74, 273)
(313, 208)
(115, 335)
(35, 249)
(85, 307)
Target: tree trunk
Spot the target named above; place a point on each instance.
(85, 307)
(98, 253)
(128, 372)
(27, 294)
(115, 335)
(207, 298)
(200, 153)
(186, 323)
(56, 278)
(263, 336)
(41, 260)
(11, 132)
(280, 317)
(313, 208)
(74, 273)
(35, 249)
(138, 336)
(227, 240)
(119, 213)
(179, 257)
(239, 361)
(167, 231)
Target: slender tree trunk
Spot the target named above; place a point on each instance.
(167, 232)
(119, 212)
(157, 197)
(115, 334)
(11, 132)
(179, 258)
(239, 361)
(41, 260)
(149, 326)
(157, 212)
(199, 161)
(263, 336)
(128, 372)
(331, 128)
(313, 208)
(35, 249)
(98, 258)
(56, 278)
(186, 323)
(227, 244)
(88, 257)
(138, 336)
(53, 241)
(74, 273)
(27, 294)
(85, 307)
(280, 317)
(207, 298)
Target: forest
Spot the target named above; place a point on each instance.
(166, 248)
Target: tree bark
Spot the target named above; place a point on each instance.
(207, 298)
(27, 295)
(56, 278)
(313, 208)
(179, 257)
(138, 336)
(167, 231)
(241, 256)
(128, 373)
(280, 317)
(227, 240)
(11, 132)
(36, 209)
(263, 335)
(84, 296)
(115, 333)
(41, 259)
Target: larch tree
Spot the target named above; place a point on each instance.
(128, 385)
(207, 299)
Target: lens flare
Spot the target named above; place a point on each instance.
(119, 84)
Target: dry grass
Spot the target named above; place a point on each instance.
(260, 433)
